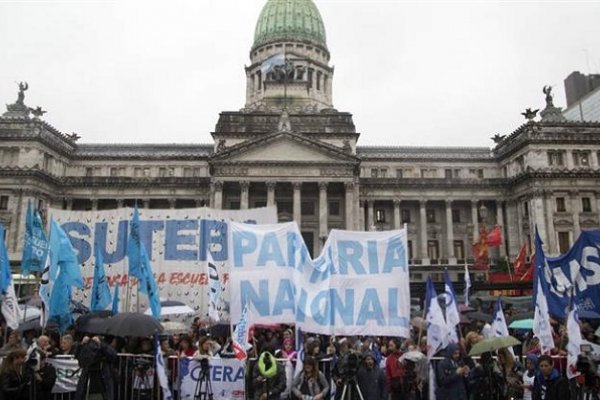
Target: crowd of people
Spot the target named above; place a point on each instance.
(371, 368)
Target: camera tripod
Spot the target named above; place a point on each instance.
(350, 387)
(142, 386)
(204, 385)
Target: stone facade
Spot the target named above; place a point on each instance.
(300, 153)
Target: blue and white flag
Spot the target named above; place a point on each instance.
(10, 305)
(115, 303)
(45, 291)
(452, 314)
(541, 320)
(300, 355)
(467, 284)
(101, 297)
(160, 370)
(574, 344)
(134, 247)
(239, 338)
(63, 258)
(214, 288)
(272, 62)
(499, 327)
(437, 330)
(35, 243)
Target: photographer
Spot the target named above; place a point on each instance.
(95, 359)
(371, 379)
(310, 384)
(269, 381)
(345, 375)
(43, 379)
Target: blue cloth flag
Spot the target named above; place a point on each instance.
(160, 370)
(35, 244)
(101, 297)
(148, 285)
(5, 273)
(134, 247)
(115, 304)
(63, 259)
(437, 330)
(452, 314)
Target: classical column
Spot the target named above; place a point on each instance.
(297, 186)
(450, 233)
(520, 221)
(370, 215)
(323, 214)
(146, 203)
(119, 203)
(552, 247)
(198, 202)
(349, 186)
(69, 203)
(361, 215)
(423, 231)
(172, 202)
(218, 195)
(512, 228)
(575, 209)
(397, 214)
(271, 193)
(244, 189)
(94, 204)
(500, 222)
(474, 220)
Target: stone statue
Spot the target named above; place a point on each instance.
(497, 138)
(529, 114)
(284, 124)
(74, 137)
(37, 112)
(221, 145)
(347, 148)
(547, 90)
(23, 86)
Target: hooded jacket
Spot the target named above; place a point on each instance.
(555, 386)
(450, 385)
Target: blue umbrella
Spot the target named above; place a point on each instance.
(522, 324)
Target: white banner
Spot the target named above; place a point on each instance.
(358, 286)
(226, 376)
(67, 374)
(177, 241)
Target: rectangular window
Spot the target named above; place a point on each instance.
(448, 173)
(456, 173)
(480, 173)
(399, 173)
(581, 158)
(171, 171)
(285, 207)
(260, 203)
(137, 172)
(563, 242)
(560, 204)
(374, 172)
(89, 172)
(146, 172)
(187, 172)
(433, 250)
(525, 209)
(380, 215)
(114, 171)
(3, 202)
(455, 215)
(410, 249)
(405, 216)
(162, 172)
(334, 208)
(430, 215)
(555, 158)
(234, 205)
(383, 173)
(586, 204)
(459, 249)
(307, 208)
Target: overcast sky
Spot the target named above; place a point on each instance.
(412, 73)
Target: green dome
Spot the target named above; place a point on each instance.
(297, 20)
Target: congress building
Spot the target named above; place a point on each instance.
(291, 147)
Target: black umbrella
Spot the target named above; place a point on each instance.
(132, 324)
(479, 316)
(95, 322)
(35, 325)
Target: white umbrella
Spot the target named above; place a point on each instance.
(172, 308)
(174, 327)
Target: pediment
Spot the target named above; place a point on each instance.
(284, 147)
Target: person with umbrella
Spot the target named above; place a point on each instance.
(549, 384)
(451, 375)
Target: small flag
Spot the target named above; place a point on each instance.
(10, 305)
(160, 370)
(101, 297)
(115, 303)
(541, 318)
(134, 247)
(35, 243)
(63, 257)
(494, 237)
(467, 284)
(437, 330)
(300, 355)
(239, 338)
(520, 267)
(452, 314)
(45, 291)
(148, 285)
(574, 344)
(499, 327)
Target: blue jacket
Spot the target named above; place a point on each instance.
(450, 385)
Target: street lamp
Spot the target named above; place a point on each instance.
(379, 218)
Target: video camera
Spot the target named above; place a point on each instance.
(350, 364)
(587, 365)
(142, 364)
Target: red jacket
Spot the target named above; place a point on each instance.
(393, 368)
